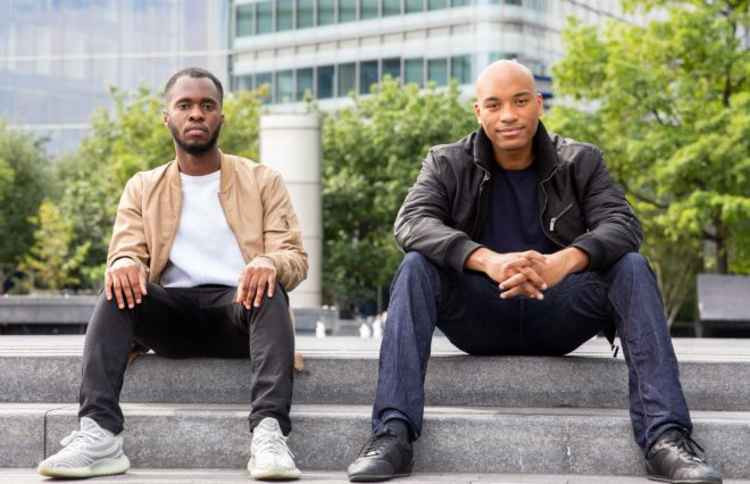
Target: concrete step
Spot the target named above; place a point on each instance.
(455, 439)
(223, 476)
(715, 375)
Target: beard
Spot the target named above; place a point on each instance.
(195, 149)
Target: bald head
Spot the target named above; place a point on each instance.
(505, 72)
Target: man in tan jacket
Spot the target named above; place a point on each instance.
(203, 251)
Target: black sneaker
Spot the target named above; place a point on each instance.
(384, 456)
(674, 458)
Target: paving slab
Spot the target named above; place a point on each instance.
(211, 476)
(455, 439)
(715, 375)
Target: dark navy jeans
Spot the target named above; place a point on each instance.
(467, 308)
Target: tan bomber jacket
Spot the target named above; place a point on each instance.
(255, 202)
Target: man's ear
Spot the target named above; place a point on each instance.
(165, 117)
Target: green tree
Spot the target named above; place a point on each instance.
(372, 152)
(23, 184)
(669, 103)
(53, 259)
(130, 138)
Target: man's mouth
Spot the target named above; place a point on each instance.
(510, 131)
(196, 131)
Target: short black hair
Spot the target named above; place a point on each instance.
(196, 73)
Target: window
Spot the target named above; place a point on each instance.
(368, 9)
(437, 71)
(459, 3)
(392, 67)
(305, 14)
(413, 6)
(244, 22)
(264, 17)
(347, 10)
(326, 12)
(414, 72)
(304, 83)
(461, 69)
(243, 83)
(391, 7)
(285, 86)
(284, 15)
(514, 2)
(347, 78)
(368, 75)
(325, 82)
(265, 80)
(437, 4)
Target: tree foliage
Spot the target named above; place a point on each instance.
(372, 152)
(669, 103)
(23, 179)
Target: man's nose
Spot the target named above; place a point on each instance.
(196, 113)
(508, 114)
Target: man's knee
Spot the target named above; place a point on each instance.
(416, 263)
(632, 262)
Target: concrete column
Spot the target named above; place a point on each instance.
(290, 143)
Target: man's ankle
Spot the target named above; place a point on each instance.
(400, 428)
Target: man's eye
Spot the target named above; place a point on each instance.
(182, 105)
(208, 106)
(491, 106)
(521, 102)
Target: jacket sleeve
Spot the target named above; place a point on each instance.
(423, 222)
(614, 230)
(282, 238)
(128, 236)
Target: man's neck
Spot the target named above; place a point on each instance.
(199, 165)
(514, 160)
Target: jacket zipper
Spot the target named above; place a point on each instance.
(544, 207)
(559, 216)
(480, 209)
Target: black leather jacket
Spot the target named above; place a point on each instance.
(579, 204)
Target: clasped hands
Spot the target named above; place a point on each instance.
(125, 280)
(529, 273)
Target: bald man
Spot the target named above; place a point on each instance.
(518, 243)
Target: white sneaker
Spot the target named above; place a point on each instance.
(270, 458)
(91, 451)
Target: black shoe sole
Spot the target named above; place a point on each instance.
(683, 481)
(376, 477)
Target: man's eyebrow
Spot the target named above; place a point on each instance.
(523, 93)
(189, 99)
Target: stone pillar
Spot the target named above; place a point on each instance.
(290, 143)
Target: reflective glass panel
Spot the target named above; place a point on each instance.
(414, 72)
(326, 12)
(265, 79)
(346, 78)
(325, 82)
(368, 75)
(461, 69)
(264, 17)
(437, 4)
(285, 86)
(413, 6)
(304, 83)
(305, 14)
(391, 7)
(244, 25)
(347, 10)
(284, 15)
(392, 67)
(368, 9)
(437, 71)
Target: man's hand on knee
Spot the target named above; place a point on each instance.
(125, 280)
(258, 278)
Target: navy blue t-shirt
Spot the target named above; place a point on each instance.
(512, 223)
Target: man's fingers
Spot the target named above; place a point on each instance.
(525, 289)
(260, 290)
(135, 284)
(142, 279)
(108, 286)
(534, 256)
(513, 281)
(271, 284)
(117, 289)
(534, 278)
(241, 288)
(127, 290)
(252, 287)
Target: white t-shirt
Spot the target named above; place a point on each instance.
(205, 250)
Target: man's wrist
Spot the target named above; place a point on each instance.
(477, 260)
(576, 260)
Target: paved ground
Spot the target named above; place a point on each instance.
(688, 349)
(209, 476)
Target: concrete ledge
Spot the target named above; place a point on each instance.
(574, 381)
(537, 441)
(22, 434)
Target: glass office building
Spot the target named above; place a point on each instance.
(331, 48)
(59, 58)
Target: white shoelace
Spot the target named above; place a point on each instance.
(273, 443)
(78, 438)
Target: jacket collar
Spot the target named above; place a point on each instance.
(226, 179)
(545, 155)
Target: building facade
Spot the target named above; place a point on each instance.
(328, 49)
(59, 58)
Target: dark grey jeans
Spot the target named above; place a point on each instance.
(190, 322)
(467, 308)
